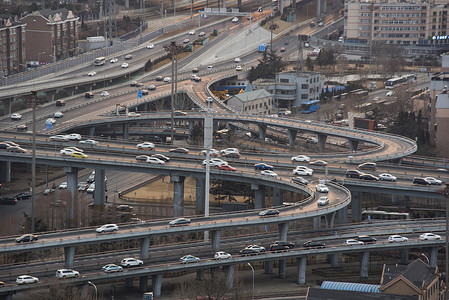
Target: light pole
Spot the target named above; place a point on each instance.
(252, 269)
(95, 287)
(428, 261)
(33, 161)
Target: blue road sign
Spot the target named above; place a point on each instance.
(139, 94)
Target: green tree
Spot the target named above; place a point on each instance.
(268, 66)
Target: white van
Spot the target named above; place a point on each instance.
(167, 79)
(74, 136)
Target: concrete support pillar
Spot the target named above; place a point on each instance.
(268, 267)
(394, 199)
(433, 256)
(143, 286)
(199, 274)
(277, 196)
(51, 95)
(91, 131)
(157, 284)
(364, 259)
(292, 137)
(330, 218)
(215, 125)
(282, 268)
(259, 191)
(200, 197)
(100, 187)
(334, 260)
(129, 282)
(262, 131)
(5, 171)
(230, 276)
(301, 265)
(322, 141)
(190, 125)
(404, 256)
(323, 6)
(178, 195)
(316, 222)
(7, 105)
(72, 186)
(145, 248)
(318, 9)
(353, 145)
(342, 216)
(283, 230)
(69, 254)
(356, 206)
(125, 131)
(216, 237)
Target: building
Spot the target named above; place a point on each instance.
(291, 88)
(50, 35)
(12, 45)
(419, 27)
(258, 102)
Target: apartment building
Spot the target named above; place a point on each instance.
(50, 35)
(419, 27)
(12, 45)
(258, 102)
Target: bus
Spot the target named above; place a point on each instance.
(99, 61)
(371, 215)
(393, 82)
(408, 78)
(310, 106)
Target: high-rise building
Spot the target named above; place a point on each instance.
(12, 45)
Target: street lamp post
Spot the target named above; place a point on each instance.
(33, 160)
(428, 261)
(252, 269)
(95, 287)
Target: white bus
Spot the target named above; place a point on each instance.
(99, 61)
(393, 82)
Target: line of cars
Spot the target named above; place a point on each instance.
(12, 147)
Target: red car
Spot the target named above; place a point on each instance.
(226, 168)
(282, 49)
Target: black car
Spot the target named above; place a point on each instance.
(353, 173)
(313, 244)
(369, 177)
(248, 251)
(8, 201)
(419, 180)
(23, 196)
(89, 95)
(161, 157)
(279, 245)
(300, 180)
(366, 239)
(269, 212)
(159, 78)
(26, 238)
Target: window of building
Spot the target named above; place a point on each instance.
(283, 80)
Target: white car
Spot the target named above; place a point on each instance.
(256, 247)
(238, 68)
(191, 32)
(154, 160)
(59, 137)
(212, 152)
(23, 279)
(89, 142)
(74, 137)
(133, 114)
(63, 186)
(58, 114)
(303, 171)
(209, 68)
(167, 79)
(92, 73)
(235, 20)
(352, 242)
(237, 60)
(397, 239)
(124, 65)
(113, 60)
(67, 273)
(145, 145)
(202, 33)
(185, 41)
(229, 150)
(131, 262)
(16, 117)
(150, 46)
(321, 188)
(301, 158)
(429, 236)
(268, 173)
(222, 255)
(104, 93)
(215, 162)
(387, 177)
(107, 228)
(390, 93)
(67, 151)
(91, 188)
(323, 201)
(433, 181)
(75, 149)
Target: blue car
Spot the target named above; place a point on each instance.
(112, 268)
(263, 166)
(188, 259)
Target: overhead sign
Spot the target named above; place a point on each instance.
(139, 94)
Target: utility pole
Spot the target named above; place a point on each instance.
(33, 104)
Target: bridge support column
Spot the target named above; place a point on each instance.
(364, 259)
(7, 105)
(259, 191)
(318, 9)
(322, 141)
(157, 284)
(200, 197)
(51, 95)
(342, 215)
(129, 282)
(283, 230)
(178, 195)
(69, 254)
(268, 267)
(301, 265)
(5, 173)
(99, 187)
(353, 145)
(334, 260)
(433, 256)
(277, 197)
(199, 274)
(91, 131)
(143, 283)
(125, 131)
(190, 125)
(216, 236)
(72, 185)
(282, 268)
(394, 199)
(145, 247)
(330, 218)
(230, 276)
(404, 257)
(323, 6)
(316, 222)
(292, 137)
(262, 131)
(356, 206)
